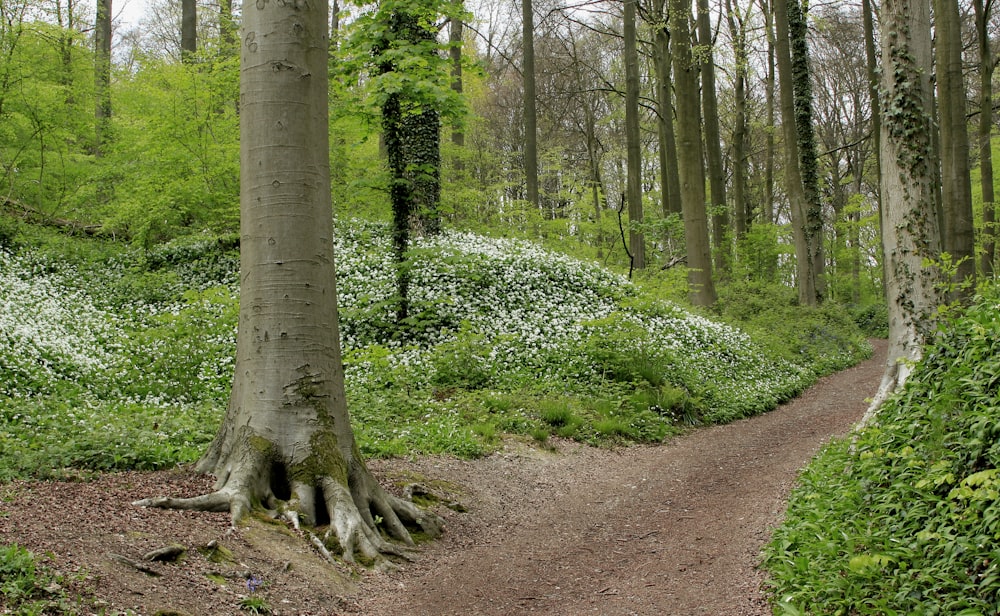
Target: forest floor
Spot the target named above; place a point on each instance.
(674, 529)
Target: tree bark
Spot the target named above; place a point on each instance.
(699, 254)
(636, 240)
(530, 115)
(737, 31)
(713, 142)
(985, 133)
(956, 186)
(286, 441)
(909, 219)
(102, 76)
(669, 179)
(794, 187)
(189, 30)
(455, 38)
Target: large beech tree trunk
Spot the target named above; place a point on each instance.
(985, 133)
(286, 442)
(909, 218)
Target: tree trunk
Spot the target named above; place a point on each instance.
(740, 204)
(699, 254)
(806, 137)
(669, 178)
(102, 76)
(286, 441)
(909, 219)
(455, 38)
(530, 115)
(805, 273)
(985, 133)
(189, 30)
(956, 186)
(636, 240)
(769, 91)
(713, 142)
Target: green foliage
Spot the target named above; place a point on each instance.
(121, 357)
(28, 588)
(907, 522)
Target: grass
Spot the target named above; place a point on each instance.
(121, 358)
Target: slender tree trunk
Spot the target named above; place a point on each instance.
(455, 38)
(713, 142)
(985, 133)
(910, 225)
(102, 76)
(873, 97)
(530, 115)
(769, 112)
(636, 240)
(804, 263)
(699, 253)
(956, 186)
(189, 30)
(806, 137)
(669, 178)
(286, 442)
(740, 203)
(227, 27)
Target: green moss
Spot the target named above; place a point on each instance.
(217, 553)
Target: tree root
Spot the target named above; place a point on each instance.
(355, 513)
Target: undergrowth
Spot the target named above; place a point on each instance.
(117, 357)
(908, 521)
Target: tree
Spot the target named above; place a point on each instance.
(189, 29)
(807, 227)
(669, 176)
(713, 139)
(530, 115)
(286, 441)
(102, 75)
(633, 191)
(985, 133)
(909, 219)
(956, 187)
(738, 33)
(699, 254)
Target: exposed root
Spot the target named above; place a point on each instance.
(355, 513)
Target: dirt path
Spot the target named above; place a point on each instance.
(668, 530)
(675, 529)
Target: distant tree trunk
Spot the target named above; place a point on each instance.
(909, 218)
(636, 240)
(102, 75)
(956, 186)
(713, 142)
(986, 68)
(530, 115)
(227, 27)
(868, 23)
(769, 90)
(189, 30)
(737, 33)
(794, 187)
(670, 198)
(286, 442)
(334, 25)
(455, 39)
(699, 254)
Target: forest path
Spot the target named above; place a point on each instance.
(675, 529)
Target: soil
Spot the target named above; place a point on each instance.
(570, 530)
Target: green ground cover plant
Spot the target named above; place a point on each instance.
(120, 356)
(907, 521)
